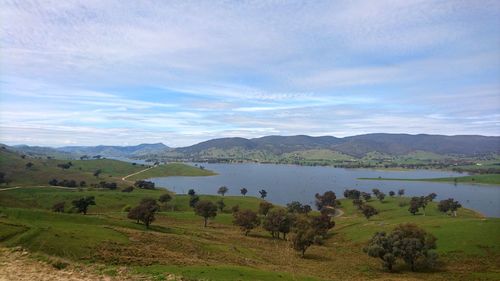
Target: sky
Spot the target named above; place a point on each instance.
(180, 72)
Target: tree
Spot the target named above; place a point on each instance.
(415, 204)
(145, 212)
(375, 191)
(221, 205)
(243, 191)
(381, 246)
(191, 192)
(406, 241)
(380, 196)
(296, 207)
(264, 208)
(144, 184)
(327, 200)
(235, 209)
(368, 211)
(431, 197)
(413, 243)
(358, 203)
(205, 209)
(303, 236)
(449, 205)
(97, 173)
(275, 222)
(53, 182)
(128, 189)
(401, 192)
(263, 193)
(83, 183)
(3, 178)
(352, 194)
(164, 199)
(392, 193)
(58, 207)
(367, 196)
(29, 165)
(193, 200)
(83, 204)
(246, 220)
(322, 224)
(222, 190)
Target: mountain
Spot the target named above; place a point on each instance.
(357, 146)
(115, 151)
(68, 152)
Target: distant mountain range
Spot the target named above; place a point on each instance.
(355, 146)
(102, 150)
(358, 146)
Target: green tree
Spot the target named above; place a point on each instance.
(243, 191)
(303, 236)
(367, 196)
(264, 208)
(164, 199)
(381, 196)
(205, 209)
(83, 204)
(145, 212)
(381, 246)
(413, 243)
(193, 200)
(449, 205)
(415, 204)
(368, 211)
(407, 242)
(401, 192)
(222, 190)
(246, 220)
(327, 200)
(263, 193)
(29, 165)
(392, 193)
(221, 205)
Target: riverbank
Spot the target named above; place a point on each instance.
(489, 179)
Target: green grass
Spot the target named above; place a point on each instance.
(219, 273)
(173, 169)
(468, 233)
(475, 179)
(177, 242)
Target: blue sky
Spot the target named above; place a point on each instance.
(180, 72)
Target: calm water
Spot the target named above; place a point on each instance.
(285, 183)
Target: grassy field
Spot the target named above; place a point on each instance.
(44, 170)
(474, 179)
(178, 243)
(172, 169)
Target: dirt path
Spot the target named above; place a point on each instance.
(17, 265)
(125, 177)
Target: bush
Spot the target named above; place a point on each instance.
(126, 208)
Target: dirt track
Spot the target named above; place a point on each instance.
(17, 265)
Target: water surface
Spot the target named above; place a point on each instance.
(285, 183)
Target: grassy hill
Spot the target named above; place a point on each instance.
(43, 170)
(475, 179)
(178, 243)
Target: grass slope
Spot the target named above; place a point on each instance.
(475, 179)
(172, 169)
(178, 243)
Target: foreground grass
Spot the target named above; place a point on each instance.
(178, 243)
(475, 179)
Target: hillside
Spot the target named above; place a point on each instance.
(14, 167)
(177, 242)
(359, 146)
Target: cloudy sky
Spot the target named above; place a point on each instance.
(129, 72)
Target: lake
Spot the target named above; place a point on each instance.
(285, 183)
